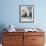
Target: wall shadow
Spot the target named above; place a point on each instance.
(2, 29)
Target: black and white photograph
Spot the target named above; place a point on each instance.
(26, 13)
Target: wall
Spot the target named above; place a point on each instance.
(10, 13)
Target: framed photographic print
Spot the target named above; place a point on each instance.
(26, 13)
